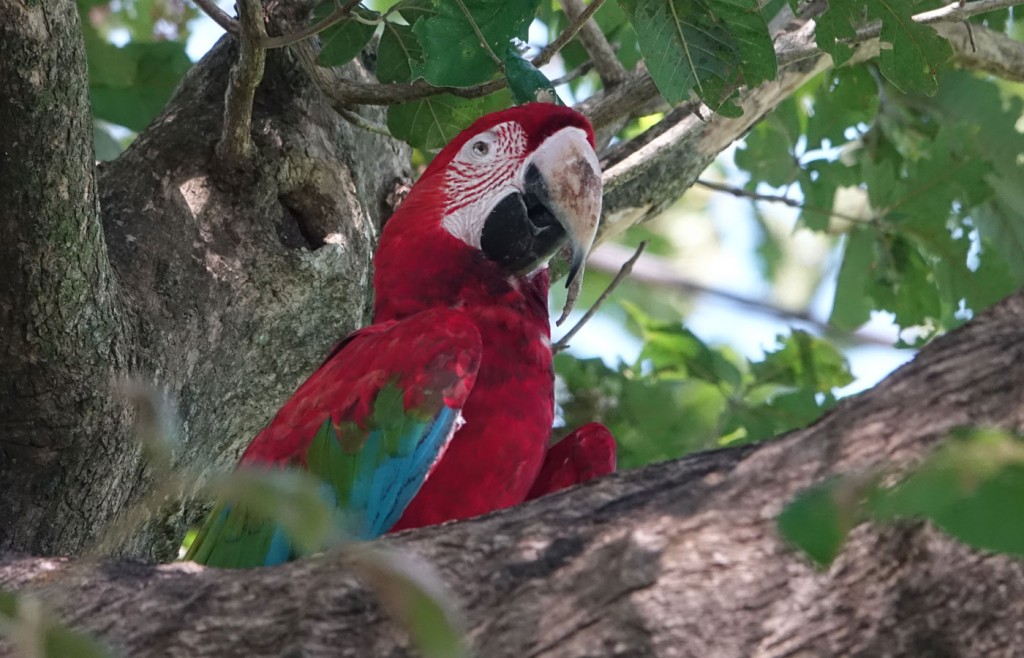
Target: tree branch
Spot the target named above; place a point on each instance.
(596, 44)
(348, 93)
(64, 320)
(980, 49)
(567, 34)
(339, 14)
(784, 200)
(210, 8)
(235, 148)
(680, 558)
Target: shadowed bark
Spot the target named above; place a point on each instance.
(175, 273)
(676, 559)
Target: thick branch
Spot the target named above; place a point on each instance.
(594, 42)
(992, 52)
(236, 147)
(677, 559)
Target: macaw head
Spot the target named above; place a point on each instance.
(512, 189)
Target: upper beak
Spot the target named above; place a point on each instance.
(565, 175)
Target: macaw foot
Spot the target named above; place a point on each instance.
(583, 455)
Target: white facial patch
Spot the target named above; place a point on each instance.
(484, 172)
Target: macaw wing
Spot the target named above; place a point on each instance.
(369, 423)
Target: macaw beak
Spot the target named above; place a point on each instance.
(564, 176)
(557, 201)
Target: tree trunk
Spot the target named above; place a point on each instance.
(184, 275)
(676, 559)
(63, 328)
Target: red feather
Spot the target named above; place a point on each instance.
(494, 459)
(583, 455)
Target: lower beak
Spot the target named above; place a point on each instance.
(565, 176)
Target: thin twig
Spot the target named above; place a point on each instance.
(624, 271)
(339, 14)
(608, 66)
(785, 200)
(574, 74)
(657, 271)
(567, 34)
(211, 9)
(235, 147)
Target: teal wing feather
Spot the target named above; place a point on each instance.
(369, 423)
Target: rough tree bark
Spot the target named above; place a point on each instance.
(175, 272)
(676, 559)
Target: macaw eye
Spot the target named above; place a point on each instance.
(481, 148)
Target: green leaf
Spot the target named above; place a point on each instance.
(917, 52)
(903, 282)
(453, 54)
(341, 42)
(400, 50)
(804, 361)
(710, 47)
(989, 117)
(851, 307)
(819, 180)
(784, 410)
(768, 150)
(651, 419)
(431, 122)
(790, 387)
(1002, 224)
(414, 595)
(819, 519)
(911, 52)
(846, 97)
(130, 85)
(525, 81)
(677, 352)
(972, 487)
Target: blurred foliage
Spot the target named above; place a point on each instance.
(35, 633)
(972, 487)
(414, 594)
(131, 83)
(683, 395)
(940, 233)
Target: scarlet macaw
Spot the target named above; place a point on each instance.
(442, 409)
